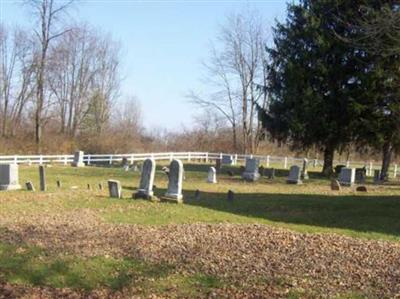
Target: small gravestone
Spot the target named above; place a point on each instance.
(294, 175)
(78, 159)
(58, 184)
(42, 178)
(269, 173)
(347, 176)
(175, 178)
(218, 164)
(335, 185)
(145, 189)
(89, 187)
(377, 176)
(361, 189)
(100, 186)
(304, 170)
(197, 194)
(29, 186)
(360, 175)
(230, 196)
(9, 177)
(251, 170)
(212, 176)
(227, 160)
(115, 189)
(125, 163)
(261, 170)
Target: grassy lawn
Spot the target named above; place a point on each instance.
(310, 208)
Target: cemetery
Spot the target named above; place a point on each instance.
(111, 230)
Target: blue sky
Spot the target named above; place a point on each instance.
(163, 44)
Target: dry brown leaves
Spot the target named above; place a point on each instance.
(258, 260)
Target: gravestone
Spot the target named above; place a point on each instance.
(29, 186)
(294, 175)
(335, 185)
(115, 189)
(212, 176)
(58, 184)
(218, 164)
(100, 186)
(230, 196)
(9, 177)
(338, 168)
(304, 171)
(42, 178)
(78, 159)
(377, 176)
(360, 175)
(175, 177)
(89, 187)
(251, 170)
(269, 173)
(145, 189)
(134, 167)
(227, 160)
(125, 163)
(347, 176)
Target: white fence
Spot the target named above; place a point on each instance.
(275, 161)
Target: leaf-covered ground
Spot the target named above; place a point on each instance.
(78, 243)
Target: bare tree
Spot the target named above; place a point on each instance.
(48, 13)
(235, 69)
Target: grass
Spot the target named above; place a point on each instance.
(311, 207)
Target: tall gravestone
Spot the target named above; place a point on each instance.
(294, 175)
(251, 170)
(147, 180)
(42, 178)
(175, 178)
(212, 176)
(9, 177)
(304, 170)
(115, 189)
(347, 176)
(78, 159)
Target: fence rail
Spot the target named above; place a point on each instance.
(89, 159)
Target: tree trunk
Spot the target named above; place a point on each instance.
(387, 151)
(329, 152)
(234, 138)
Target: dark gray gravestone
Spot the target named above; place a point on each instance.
(230, 196)
(360, 175)
(294, 175)
(269, 173)
(42, 178)
(115, 189)
(29, 186)
(145, 189)
(175, 178)
(9, 177)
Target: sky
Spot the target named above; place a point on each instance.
(163, 45)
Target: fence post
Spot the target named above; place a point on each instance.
(315, 163)
(41, 160)
(111, 159)
(268, 161)
(65, 160)
(236, 159)
(131, 159)
(347, 164)
(370, 169)
(15, 160)
(220, 156)
(395, 171)
(207, 157)
(189, 157)
(88, 159)
(285, 163)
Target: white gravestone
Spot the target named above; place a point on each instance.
(251, 170)
(347, 176)
(115, 188)
(9, 177)
(175, 178)
(78, 159)
(212, 176)
(294, 175)
(304, 171)
(146, 180)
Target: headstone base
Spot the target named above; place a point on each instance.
(144, 195)
(173, 198)
(250, 176)
(294, 182)
(10, 187)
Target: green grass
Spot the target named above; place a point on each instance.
(310, 207)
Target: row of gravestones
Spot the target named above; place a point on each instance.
(145, 190)
(252, 171)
